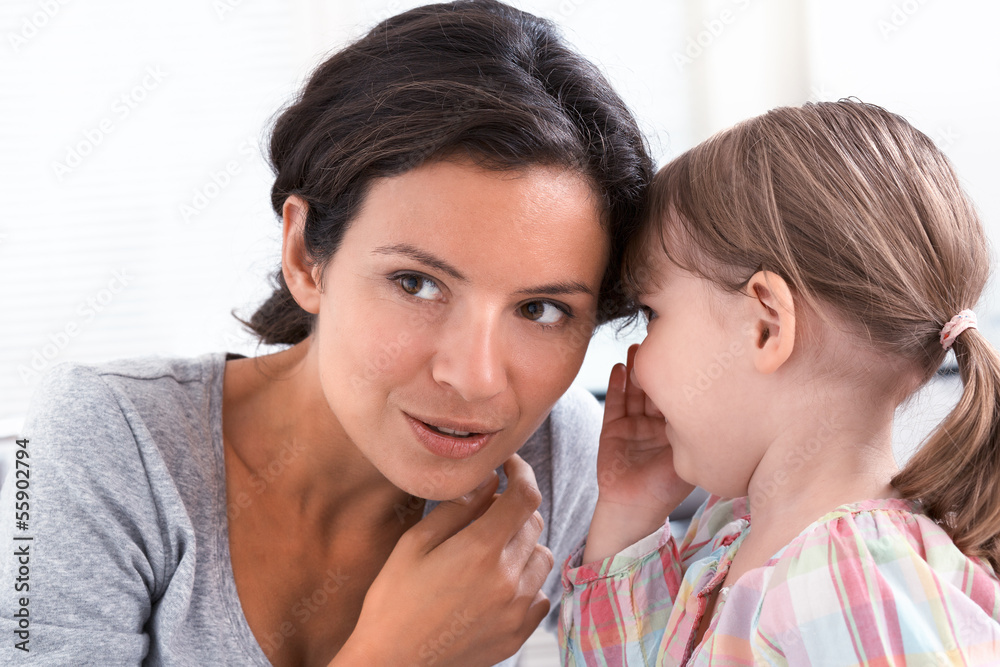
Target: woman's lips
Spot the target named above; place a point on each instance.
(449, 446)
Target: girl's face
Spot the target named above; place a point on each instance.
(695, 365)
(455, 313)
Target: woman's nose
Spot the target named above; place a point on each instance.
(471, 358)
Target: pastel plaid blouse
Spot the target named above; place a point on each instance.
(871, 583)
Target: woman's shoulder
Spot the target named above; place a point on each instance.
(141, 433)
(148, 379)
(126, 476)
(88, 412)
(179, 369)
(576, 416)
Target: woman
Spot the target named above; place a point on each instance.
(455, 189)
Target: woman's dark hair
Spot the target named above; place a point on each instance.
(474, 76)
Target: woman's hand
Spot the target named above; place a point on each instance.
(459, 593)
(635, 469)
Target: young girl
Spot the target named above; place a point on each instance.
(803, 274)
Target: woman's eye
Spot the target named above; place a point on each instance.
(542, 312)
(420, 287)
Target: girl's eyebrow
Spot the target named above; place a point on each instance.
(421, 256)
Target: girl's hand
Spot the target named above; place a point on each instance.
(635, 469)
(459, 593)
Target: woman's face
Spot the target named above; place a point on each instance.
(455, 313)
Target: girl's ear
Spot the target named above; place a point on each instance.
(772, 320)
(300, 275)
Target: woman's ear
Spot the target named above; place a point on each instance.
(300, 275)
(772, 320)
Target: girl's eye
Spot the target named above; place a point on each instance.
(649, 313)
(419, 286)
(542, 312)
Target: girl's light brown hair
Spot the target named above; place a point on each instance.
(860, 212)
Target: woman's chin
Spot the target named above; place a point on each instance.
(435, 486)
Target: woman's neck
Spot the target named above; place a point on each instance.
(283, 439)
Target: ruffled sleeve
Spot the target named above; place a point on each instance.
(616, 611)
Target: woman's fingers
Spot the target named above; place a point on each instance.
(451, 516)
(524, 545)
(509, 513)
(490, 572)
(537, 612)
(537, 567)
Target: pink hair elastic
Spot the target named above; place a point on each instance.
(964, 320)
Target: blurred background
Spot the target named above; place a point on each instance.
(135, 197)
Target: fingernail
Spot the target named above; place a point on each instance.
(478, 490)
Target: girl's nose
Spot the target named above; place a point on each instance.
(635, 379)
(633, 357)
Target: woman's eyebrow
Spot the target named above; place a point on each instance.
(421, 256)
(558, 289)
(424, 257)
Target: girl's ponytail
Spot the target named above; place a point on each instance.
(956, 473)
